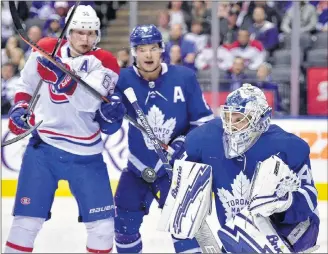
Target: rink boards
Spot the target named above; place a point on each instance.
(314, 131)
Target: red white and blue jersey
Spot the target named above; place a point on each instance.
(68, 120)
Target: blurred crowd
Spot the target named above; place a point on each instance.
(255, 40)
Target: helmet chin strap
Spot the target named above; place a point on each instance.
(135, 64)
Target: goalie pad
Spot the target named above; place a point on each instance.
(251, 234)
(271, 187)
(189, 199)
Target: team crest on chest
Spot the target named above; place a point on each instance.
(161, 128)
(234, 202)
(55, 97)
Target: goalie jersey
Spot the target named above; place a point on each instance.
(173, 104)
(232, 177)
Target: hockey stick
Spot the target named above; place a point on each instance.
(204, 236)
(26, 39)
(35, 97)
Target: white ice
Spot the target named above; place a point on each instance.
(64, 234)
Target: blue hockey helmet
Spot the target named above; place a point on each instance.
(145, 34)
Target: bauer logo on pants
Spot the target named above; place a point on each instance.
(102, 209)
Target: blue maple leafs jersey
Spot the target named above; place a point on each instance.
(232, 177)
(173, 104)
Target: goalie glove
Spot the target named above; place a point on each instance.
(272, 186)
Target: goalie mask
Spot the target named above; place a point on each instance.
(245, 116)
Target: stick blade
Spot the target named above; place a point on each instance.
(21, 136)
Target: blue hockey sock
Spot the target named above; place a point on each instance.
(128, 243)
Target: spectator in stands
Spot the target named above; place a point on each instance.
(265, 82)
(17, 58)
(52, 27)
(163, 24)
(178, 16)
(251, 50)
(7, 28)
(196, 36)
(243, 21)
(61, 9)
(198, 12)
(123, 57)
(188, 48)
(8, 86)
(322, 11)
(175, 55)
(224, 58)
(35, 34)
(11, 44)
(264, 31)
(223, 9)
(41, 9)
(272, 13)
(308, 16)
(229, 28)
(235, 77)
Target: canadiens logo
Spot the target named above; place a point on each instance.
(161, 128)
(25, 201)
(56, 97)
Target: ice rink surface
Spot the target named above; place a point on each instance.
(64, 234)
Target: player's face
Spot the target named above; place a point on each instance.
(148, 56)
(83, 41)
(236, 121)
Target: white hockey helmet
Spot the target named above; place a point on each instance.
(250, 103)
(85, 18)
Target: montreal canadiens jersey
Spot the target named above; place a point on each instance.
(232, 177)
(68, 120)
(173, 104)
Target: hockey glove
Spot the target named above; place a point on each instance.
(114, 111)
(50, 73)
(19, 119)
(178, 146)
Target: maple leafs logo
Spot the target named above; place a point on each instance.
(161, 128)
(234, 202)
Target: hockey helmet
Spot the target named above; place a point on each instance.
(145, 34)
(85, 18)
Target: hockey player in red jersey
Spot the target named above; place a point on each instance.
(67, 145)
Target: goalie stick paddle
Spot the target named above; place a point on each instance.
(204, 236)
(26, 39)
(35, 97)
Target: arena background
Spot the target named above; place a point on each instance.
(298, 65)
